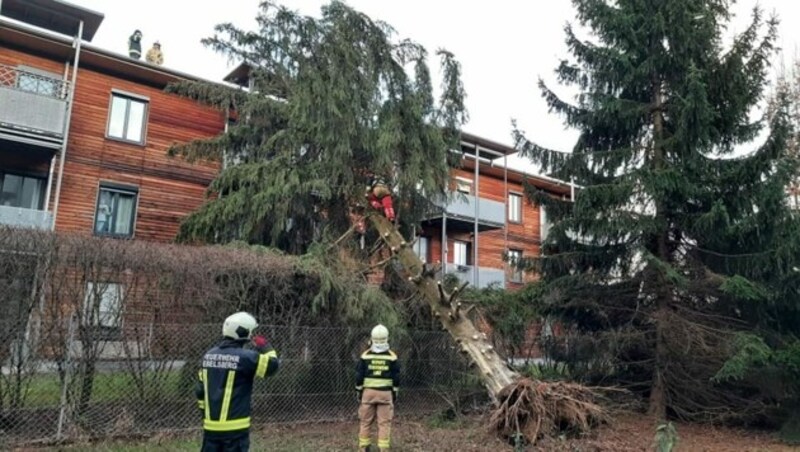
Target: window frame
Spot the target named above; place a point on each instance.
(30, 175)
(516, 276)
(544, 224)
(467, 253)
(122, 189)
(95, 323)
(463, 180)
(418, 248)
(129, 97)
(517, 195)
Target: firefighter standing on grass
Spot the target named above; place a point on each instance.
(377, 383)
(225, 383)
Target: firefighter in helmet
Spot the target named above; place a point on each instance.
(155, 55)
(377, 383)
(225, 383)
(135, 45)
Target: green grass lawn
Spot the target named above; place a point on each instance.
(45, 390)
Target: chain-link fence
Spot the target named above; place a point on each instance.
(139, 378)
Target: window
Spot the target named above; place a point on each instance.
(126, 118)
(422, 248)
(515, 208)
(103, 305)
(36, 81)
(22, 191)
(461, 253)
(544, 225)
(16, 286)
(514, 257)
(229, 159)
(116, 211)
(463, 185)
(548, 329)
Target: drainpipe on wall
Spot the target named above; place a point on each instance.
(49, 188)
(51, 170)
(34, 325)
(70, 101)
(475, 274)
(572, 189)
(444, 241)
(505, 219)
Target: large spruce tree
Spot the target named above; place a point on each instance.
(767, 359)
(681, 218)
(335, 100)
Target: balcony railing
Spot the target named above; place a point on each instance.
(32, 103)
(486, 275)
(25, 218)
(462, 206)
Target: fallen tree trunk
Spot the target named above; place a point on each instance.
(524, 409)
(494, 371)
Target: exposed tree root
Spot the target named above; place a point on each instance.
(534, 409)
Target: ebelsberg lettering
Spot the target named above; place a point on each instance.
(218, 361)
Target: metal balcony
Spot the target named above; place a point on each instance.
(33, 107)
(486, 275)
(461, 213)
(25, 218)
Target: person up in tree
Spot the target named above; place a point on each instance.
(135, 45)
(380, 196)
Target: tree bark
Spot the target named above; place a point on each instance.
(493, 370)
(658, 401)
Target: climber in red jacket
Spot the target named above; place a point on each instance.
(380, 196)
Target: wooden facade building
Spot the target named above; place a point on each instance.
(488, 222)
(84, 132)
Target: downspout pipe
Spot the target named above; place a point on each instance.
(70, 101)
(475, 271)
(505, 220)
(572, 189)
(54, 159)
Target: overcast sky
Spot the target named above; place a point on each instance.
(503, 46)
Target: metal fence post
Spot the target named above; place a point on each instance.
(62, 412)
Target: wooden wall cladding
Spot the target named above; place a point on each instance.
(523, 236)
(169, 188)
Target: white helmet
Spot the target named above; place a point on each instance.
(380, 335)
(239, 326)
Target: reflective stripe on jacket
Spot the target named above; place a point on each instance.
(225, 384)
(379, 371)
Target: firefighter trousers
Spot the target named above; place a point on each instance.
(226, 443)
(375, 405)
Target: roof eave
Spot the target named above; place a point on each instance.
(57, 45)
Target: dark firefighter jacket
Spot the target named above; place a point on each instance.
(225, 384)
(379, 371)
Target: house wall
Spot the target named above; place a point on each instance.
(523, 236)
(168, 188)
